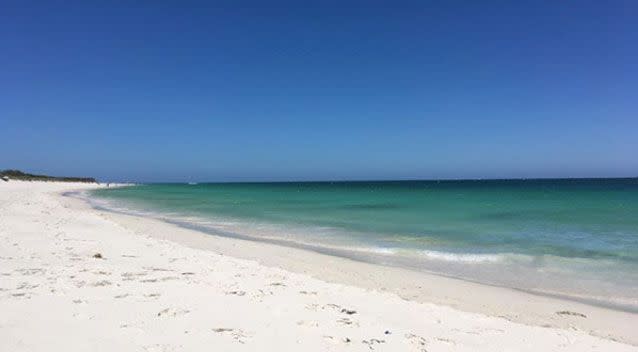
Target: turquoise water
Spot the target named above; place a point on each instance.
(572, 238)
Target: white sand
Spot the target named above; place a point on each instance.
(150, 292)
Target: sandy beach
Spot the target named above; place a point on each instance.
(73, 278)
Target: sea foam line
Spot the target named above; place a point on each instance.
(435, 255)
(463, 257)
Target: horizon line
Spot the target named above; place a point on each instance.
(400, 180)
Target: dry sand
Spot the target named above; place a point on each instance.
(158, 287)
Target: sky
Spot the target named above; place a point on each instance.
(153, 91)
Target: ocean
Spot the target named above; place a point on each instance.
(571, 238)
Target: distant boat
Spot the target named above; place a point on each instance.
(192, 183)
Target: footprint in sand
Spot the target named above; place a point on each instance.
(237, 334)
(169, 278)
(313, 293)
(161, 348)
(101, 283)
(26, 286)
(570, 313)
(235, 293)
(417, 342)
(261, 294)
(372, 342)
(308, 323)
(31, 271)
(172, 312)
(335, 340)
(128, 276)
(445, 340)
(348, 322)
(331, 306)
(156, 269)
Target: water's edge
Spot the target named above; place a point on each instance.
(346, 254)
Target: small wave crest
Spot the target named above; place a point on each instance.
(463, 257)
(381, 250)
(436, 255)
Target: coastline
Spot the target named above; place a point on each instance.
(561, 238)
(410, 301)
(423, 287)
(362, 255)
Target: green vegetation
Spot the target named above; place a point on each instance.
(19, 175)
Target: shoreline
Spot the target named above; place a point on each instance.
(531, 308)
(100, 279)
(349, 254)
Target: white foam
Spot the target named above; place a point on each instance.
(380, 250)
(461, 257)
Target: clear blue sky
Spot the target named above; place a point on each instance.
(180, 91)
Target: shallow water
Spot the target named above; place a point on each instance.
(572, 238)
